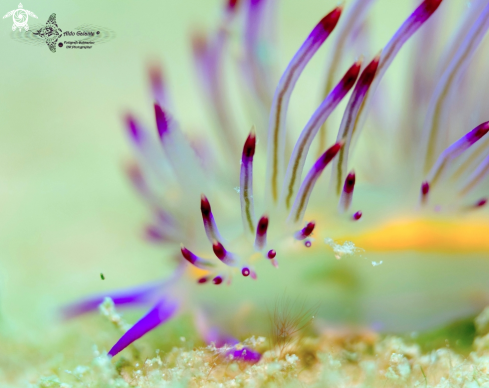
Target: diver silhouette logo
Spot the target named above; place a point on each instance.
(20, 17)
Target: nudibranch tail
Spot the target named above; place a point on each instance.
(302, 198)
(301, 148)
(278, 112)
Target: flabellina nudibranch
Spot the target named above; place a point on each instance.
(296, 204)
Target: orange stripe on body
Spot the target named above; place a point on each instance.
(427, 235)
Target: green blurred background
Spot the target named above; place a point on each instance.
(67, 213)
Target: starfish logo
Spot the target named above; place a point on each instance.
(50, 32)
(20, 17)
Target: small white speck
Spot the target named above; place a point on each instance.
(375, 264)
(237, 189)
(182, 339)
(347, 249)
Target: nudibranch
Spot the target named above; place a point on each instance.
(287, 204)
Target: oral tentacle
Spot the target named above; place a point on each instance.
(278, 113)
(138, 296)
(160, 313)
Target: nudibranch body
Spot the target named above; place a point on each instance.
(237, 250)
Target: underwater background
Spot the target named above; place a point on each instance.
(68, 213)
